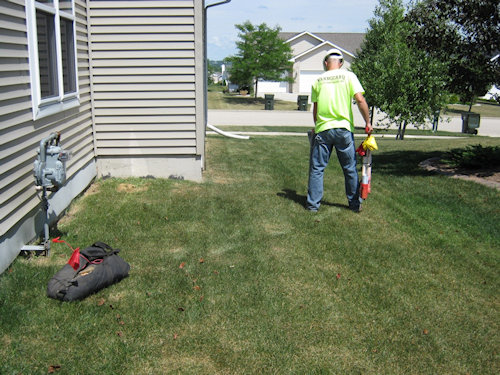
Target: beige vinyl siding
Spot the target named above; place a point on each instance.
(20, 135)
(303, 44)
(145, 76)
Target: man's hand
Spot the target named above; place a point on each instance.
(368, 128)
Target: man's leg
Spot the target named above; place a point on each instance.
(346, 152)
(320, 155)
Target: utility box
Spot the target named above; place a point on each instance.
(470, 122)
(50, 166)
(269, 106)
(302, 102)
(50, 174)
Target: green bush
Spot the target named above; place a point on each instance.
(475, 156)
(454, 98)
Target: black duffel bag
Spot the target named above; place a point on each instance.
(97, 267)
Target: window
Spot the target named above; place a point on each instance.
(52, 53)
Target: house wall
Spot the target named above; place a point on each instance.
(303, 44)
(314, 60)
(20, 213)
(147, 66)
(272, 87)
(310, 66)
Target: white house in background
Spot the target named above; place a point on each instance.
(494, 91)
(232, 87)
(122, 81)
(308, 51)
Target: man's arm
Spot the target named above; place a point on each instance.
(365, 111)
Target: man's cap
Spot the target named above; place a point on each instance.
(334, 52)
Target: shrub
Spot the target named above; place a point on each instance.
(475, 156)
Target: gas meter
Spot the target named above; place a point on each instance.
(50, 166)
(50, 174)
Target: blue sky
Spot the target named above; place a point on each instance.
(291, 15)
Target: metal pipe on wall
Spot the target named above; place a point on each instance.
(226, 134)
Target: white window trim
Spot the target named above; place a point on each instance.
(61, 102)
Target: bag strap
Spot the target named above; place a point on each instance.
(71, 282)
(98, 250)
(108, 249)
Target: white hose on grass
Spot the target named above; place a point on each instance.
(226, 134)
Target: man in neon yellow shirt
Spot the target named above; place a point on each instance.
(332, 95)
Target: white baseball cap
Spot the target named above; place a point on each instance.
(334, 52)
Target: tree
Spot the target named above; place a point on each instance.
(404, 82)
(262, 55)
(466, 35)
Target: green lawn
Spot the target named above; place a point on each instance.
(485, 109)
(233, 101)
(233, 276)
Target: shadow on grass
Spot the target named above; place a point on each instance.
(394, 163)
(403, 163)
(243, 100)
(302, 199)
(456, 111)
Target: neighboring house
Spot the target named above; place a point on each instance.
(494, 92)
(226, 80)
(308, 51)
(216, 78)
(122, 81)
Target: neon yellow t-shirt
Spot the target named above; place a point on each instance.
(334, 91)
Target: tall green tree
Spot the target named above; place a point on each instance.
(466, 35)
(262, 55)
(403, 82)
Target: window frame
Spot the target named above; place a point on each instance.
(61, 101)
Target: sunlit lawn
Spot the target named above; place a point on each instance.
(233, 276)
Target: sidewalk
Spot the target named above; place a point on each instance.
(488, 126)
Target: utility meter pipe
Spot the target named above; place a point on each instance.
(44, 142)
